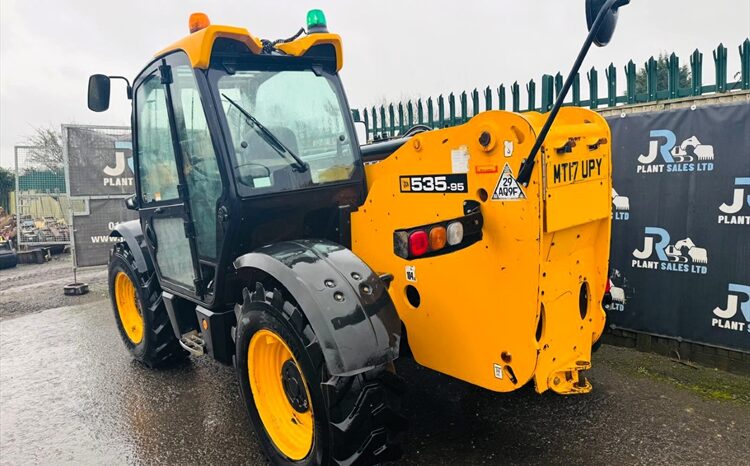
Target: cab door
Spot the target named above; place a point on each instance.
(177, 173)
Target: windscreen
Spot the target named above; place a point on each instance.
(300, 109)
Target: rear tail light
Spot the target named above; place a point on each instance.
(437, 238)
(455, 233)
(418, 243)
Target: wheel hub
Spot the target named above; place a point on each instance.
(294, 387)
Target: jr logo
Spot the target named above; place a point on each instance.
(739, 297)
(115, 174)
(683, 256)
(689, 156)
(739, 200)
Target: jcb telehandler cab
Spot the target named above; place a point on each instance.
(271, 240)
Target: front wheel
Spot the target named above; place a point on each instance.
(303, 416)
(140, 313)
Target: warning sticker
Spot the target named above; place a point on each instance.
(498, 371)
(507, 188)
(460, 160)
(411, 273)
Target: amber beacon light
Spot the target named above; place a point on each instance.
(198, 21)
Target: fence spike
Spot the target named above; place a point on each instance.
(673, 76)
(501, 97)
(367, 125)
(593, 77)
(577, 90)
(420, 112)
(696, 72)
(515, 90)
(720, 60)
(558, 83)
(652, 78)
(452, 109)
(441, 111)
(630, 81)
(475, 101)
(548, 91)
(464, 108)
(531, 91)
(430, 113)
(383, 129)
(611, 75)
(409, 114)
(488, 98)
(745, 64)
(392, 116)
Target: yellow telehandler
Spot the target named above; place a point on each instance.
(270, 239)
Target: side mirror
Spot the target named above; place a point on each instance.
(99, 86)
(604, 34)
(130, 203)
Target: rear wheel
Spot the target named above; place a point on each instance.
(140, 312)
(302, 415)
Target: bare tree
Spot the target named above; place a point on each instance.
(47, 150)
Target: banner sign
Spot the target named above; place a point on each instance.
(680, 256)
(100, 161)
(100, 172)
(92, 240)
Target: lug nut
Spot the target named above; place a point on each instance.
(338, 296)
(329, 283)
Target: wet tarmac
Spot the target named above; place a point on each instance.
(70, 394)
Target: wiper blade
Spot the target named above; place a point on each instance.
(270, 138)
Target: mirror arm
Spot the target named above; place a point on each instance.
(524, 172)
(129, 88)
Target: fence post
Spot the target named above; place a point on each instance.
(464, 108)
(409, 114)
(374, 122)
(420, 112)
(745, 63)
(673, 76)
(593, 76)
(367, 125)
(516, 92)
(392, 116)
(558, 84)
(696, 72)
(630, 80)
(430, 113)
(488, 98)
(531, 91)
(547, 92)
(501, 97)
(720, 59)
(475, 101)
(383, 124)
(651, 79)
(611, 74)
(452, 109)
(441, 111)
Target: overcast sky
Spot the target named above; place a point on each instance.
(392, 49)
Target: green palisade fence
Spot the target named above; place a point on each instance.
(392, 120)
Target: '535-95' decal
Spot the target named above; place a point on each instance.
(455, 183)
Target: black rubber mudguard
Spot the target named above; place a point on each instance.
(346, 303)
(132, 234)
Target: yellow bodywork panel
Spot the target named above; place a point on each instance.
(198, 45)
(507, 308)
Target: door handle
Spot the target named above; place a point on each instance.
(158, 211)
(151, 236)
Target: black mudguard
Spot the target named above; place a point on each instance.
(132, 234)
(346, 303)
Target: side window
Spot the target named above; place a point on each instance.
(156, 160)
(201, 168)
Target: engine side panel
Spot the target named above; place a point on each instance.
(480, 306)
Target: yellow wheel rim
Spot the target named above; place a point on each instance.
(127, 308)
(268, 361)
